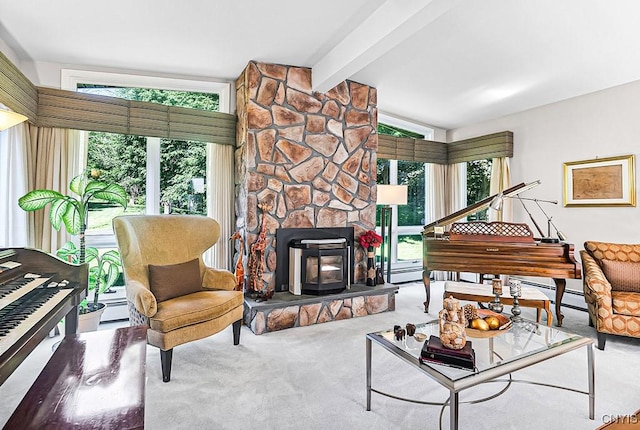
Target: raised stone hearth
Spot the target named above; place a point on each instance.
(285, 310)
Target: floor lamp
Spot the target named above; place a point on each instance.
(389, 195)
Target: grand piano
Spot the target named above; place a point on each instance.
(37, 290)
(495, 248)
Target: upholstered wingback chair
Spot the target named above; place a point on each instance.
(169, 289)
(612, 288)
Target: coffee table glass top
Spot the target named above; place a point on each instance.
(521, 341)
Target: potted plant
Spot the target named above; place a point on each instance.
(103, 273)
(72, 211)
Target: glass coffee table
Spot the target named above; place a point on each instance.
(500, 353)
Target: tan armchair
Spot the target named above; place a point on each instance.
(612, 288)
(162, 241)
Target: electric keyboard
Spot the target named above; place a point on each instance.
(37, 290)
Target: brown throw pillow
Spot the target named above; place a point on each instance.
(175, 280)
(622, 275)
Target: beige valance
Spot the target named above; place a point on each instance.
(47, 107)
(68, 109)
(428, 151)
(16, 91)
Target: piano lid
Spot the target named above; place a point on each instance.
(478, 206)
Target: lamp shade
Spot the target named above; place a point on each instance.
(497, 202)
(392, 195)
(9, 119)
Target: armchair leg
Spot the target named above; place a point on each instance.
(165, 361)
(236, 332)
(602, 339)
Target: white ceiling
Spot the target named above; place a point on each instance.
(446, 63)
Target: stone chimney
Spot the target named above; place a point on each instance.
(309, 156)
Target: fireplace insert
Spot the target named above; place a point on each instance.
(327, 256)
(318, 266)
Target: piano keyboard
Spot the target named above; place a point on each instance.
(36, 291)
(18, 317)
(13, 289)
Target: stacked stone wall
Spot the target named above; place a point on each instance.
(309, 156)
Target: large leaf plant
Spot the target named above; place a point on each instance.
(103, 273)
(72, 211)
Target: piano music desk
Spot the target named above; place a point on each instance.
(483, 293)
(93, 380)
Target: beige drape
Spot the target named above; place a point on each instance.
(446, 189)
(446, 193)
(220, 202)
(500, 181)
(13, 185)
(54, 157)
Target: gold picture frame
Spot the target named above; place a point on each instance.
(600, 182)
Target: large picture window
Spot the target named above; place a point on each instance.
(159, 175)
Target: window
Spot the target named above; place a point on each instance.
(408, 220)
(160, 175)
(478, 186)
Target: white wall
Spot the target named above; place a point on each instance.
(601, 124)
(9, 53)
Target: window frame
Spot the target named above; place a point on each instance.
(405, 265)
(70, 78)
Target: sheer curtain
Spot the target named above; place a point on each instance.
(220, 202)
(54, 157)
(446, 189)
(500, 181)
(13, 185)
(446, 193)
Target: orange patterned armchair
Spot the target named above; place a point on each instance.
(612, 288)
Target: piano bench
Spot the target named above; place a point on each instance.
(92, 380)
(483, 293)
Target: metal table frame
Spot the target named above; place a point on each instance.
(484, 376)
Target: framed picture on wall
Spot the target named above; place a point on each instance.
(600, 182)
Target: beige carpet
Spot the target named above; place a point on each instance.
(314, 378)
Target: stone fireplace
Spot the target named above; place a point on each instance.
(305, 161)
(309, 156)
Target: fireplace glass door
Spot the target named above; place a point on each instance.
(324, 271)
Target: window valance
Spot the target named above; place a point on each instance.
(49, 107)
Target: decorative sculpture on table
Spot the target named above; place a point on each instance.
(452, 324)
(256, 259)
(239, 270)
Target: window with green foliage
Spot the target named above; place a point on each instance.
(478, 186)
(123, 158)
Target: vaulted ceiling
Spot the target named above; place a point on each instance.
(446, 63)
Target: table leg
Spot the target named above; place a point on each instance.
(368, 355)
(71, 321)
(560, 286)
(427, 289)
(491, 350)
(592, 381)
(453, 409)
